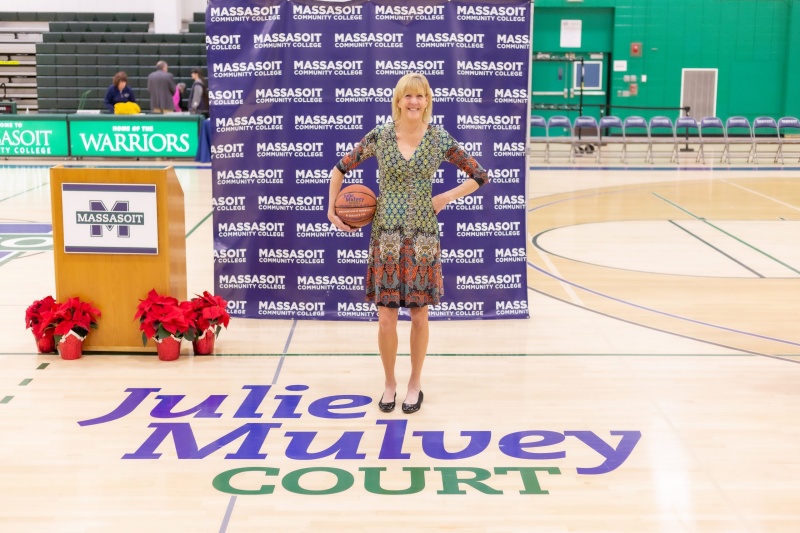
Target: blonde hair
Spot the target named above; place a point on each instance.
(413, 83)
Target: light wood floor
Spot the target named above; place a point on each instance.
(654, 389)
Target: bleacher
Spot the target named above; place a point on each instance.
(19, 33)
(70, 58)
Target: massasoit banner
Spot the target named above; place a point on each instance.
(134, 137)
(28, 136)
(295, 84)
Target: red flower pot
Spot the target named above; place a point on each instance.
(70, 346)
(204, 345)
(168, 349)
(46, 343)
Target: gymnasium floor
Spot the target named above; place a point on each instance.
(654, 388)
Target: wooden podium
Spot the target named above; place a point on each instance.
(114, 281)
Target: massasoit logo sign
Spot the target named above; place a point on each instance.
(118, 217)
(134, 138)
(260, 431)
(109, 218)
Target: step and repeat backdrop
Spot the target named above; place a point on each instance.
(295, 84)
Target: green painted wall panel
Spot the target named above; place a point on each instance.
(596, 34)
(755, 44)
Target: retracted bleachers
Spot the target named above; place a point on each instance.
(83, 51)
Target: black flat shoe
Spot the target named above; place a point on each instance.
(387, 407)
(409, 408)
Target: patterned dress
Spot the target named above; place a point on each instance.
(404, 267)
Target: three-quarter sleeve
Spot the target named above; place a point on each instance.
(363, 150)
(456, 155)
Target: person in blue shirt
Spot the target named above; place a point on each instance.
(118, 91)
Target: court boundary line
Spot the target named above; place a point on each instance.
(715, 248)
(731, 235)
(534, 241)
(762, 195)
(202, 220)
(745, 352)
(23, 192)
(670, 315)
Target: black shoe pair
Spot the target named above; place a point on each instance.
(387, 407)
(409, 408)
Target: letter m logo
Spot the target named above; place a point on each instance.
(96, 230)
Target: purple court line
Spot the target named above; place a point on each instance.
(228, 512)
(232, 503)
(663, 313)
(589, 195)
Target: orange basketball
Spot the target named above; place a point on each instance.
(355, 205)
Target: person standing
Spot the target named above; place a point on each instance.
(161, 86)
(404, 262)
(176, 98)
(198, 98)
(118, 91)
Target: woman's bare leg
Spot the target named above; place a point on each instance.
(419, 348)
(387, 344)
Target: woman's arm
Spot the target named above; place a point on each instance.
(109, 99)
(466, 163)
(441, 200)
(333, 191)
(197, 96)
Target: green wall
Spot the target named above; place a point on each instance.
(755, 44)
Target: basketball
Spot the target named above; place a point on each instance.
(355, 205)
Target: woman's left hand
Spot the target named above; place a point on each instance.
(439, 203)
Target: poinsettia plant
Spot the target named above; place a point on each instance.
(162, 316)
(208, 311)
(74, 315)
(34, 315)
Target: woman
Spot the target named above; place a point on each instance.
(404, 267)
(176, 98)
(118, 92)
(198, 97)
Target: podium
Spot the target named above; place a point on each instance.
(117, 234)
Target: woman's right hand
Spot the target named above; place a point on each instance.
(336, 221)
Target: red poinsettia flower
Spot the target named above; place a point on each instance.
(209, 311)
(73, 315)
(34, 315)
(161, 316)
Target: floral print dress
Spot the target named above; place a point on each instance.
(404, 267)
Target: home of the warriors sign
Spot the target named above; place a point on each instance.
(264, 417)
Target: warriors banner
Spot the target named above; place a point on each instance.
(294, 85)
